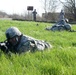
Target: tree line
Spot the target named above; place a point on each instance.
(49, 6)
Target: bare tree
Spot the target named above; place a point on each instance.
(53, 4)
(49, 6)
(44, 4)
(70, 7)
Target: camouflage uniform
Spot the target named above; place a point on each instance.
(31, 44)
(26, 43)
(61, 25)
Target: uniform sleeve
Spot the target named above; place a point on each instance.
(27, 47)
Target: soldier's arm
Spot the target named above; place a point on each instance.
(27, 47)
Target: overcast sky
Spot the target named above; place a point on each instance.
(20, 6)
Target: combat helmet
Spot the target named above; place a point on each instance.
(12, 32)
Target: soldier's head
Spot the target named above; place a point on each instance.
(12, 35)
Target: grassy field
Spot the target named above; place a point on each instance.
(60, 60)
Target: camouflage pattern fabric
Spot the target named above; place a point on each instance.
(61, 24)
(31, 44)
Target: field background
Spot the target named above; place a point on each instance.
(60, 60)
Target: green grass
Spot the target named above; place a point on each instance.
(60, 60)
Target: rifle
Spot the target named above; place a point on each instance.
(4, 46)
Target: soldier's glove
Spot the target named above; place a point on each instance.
(3, 47)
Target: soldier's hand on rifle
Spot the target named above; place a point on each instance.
(3, 47)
